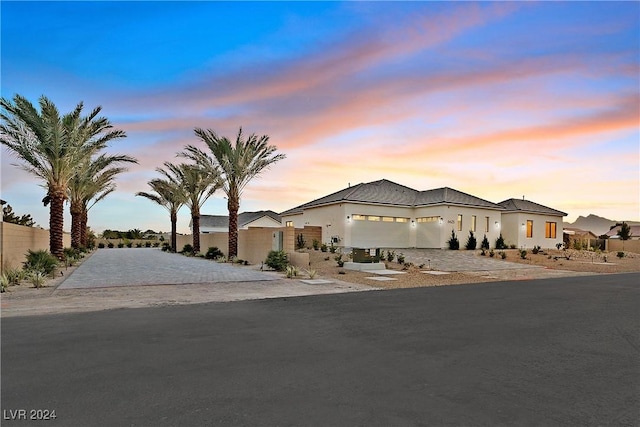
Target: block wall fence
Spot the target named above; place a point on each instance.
(16, 240)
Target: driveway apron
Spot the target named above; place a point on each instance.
(150, 266)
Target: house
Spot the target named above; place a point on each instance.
(220, 223)
(386, 214)
(575, 237)
(634, 230)
(527, 224)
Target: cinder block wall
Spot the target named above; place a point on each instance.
(17, 240)
(615, 245)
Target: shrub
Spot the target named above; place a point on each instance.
(110, 245)
(213, 253)
(4, 282)
(483, 251)
(400, 258)
(471, 241)
(129, 244)
(339, 260)
(40, 261)
(147, 244)
(315, 244)
(15, 275)
(300, 242)
(535, 249)
(503, 254)
(323, 247)
(485, 243)
(512, 246)
(391, 255)
(156, 244)
(453, 242)
(37, 278)
(166, 247)
(620, 254)
(523, 254)
(292, 271)
(138, 245)
(559, 245)
(312, 273)
(101, 245)
(491, 253)
(500, 243)
(187, 249)
(277, 260)
(121, 245)
(332, 248)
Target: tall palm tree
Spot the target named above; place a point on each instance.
(168, 194)
(238, 164)
(198, 185)
(93, 181)
(50, 146)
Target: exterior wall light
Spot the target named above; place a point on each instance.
(413, 222)
(440, 220)
(497, 225)
(348, 218)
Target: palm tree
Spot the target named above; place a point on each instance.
(198, 185)
(50, 146)
(238, 164)
(93, 181)
(168, 194)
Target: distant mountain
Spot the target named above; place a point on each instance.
(596, 224)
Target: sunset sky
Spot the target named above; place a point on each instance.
(498, 100)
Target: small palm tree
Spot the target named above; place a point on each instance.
(198, 185)
(170, 196)
(51, 146)
(237, 164)
(93, 181)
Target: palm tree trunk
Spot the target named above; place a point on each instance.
(83, 228)
(76, 225)
(233, 206)
(195, 220)
(56, 224)
(174, 221)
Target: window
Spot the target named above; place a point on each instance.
(359, 217)
(428, 219)
(473, 223)
(402, 219)
(288, 224)
(529, 228)
(550, 230)
(387, 219)
(373, 218)
(459, 222)
(486, 224)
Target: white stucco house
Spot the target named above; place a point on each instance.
(386, 214)
(220, 223)
(527, 224)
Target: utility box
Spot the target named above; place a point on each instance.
(365, 255)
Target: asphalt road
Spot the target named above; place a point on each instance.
(549, 352)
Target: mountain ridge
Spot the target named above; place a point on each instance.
(596, 224)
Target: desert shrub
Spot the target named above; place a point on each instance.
(503, 255)
(277, 260)
(323, 247)
(187, 249)
(559, 245)
(166, 247)
(110, 245)
(391, 256)
(138, 245)
(121, 245)
(471, 242)
(312, 273)
(483, 251)
(156, 244)
(40, 261)
(15, 275)
(620, 254)
(485, 243)
(339, 260)
(523, 254)
(147, 244)
(37, 278)
(101, 245)
(512, 246)
(292, 271)
(332, 248)
(129, 244)
(491, 253)
(300, 242)
(453, 242)
(4, 282)
(535, 249)
(213, 253)
(316, 244)
(500, 242)
(400, 258)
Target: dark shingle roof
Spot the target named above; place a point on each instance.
(520, 205)
(385, 192)
(244, 218)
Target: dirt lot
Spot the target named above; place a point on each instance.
(554, 262)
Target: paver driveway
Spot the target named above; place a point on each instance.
(150, 266)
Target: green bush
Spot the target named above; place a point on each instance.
(101, 245)
(300, 242)
(315, 244)
(332, 248)
(147, 244)
(166, 247)
(156, 244)
(277, 260)
(471, 241)
(339, 260)
(523, 254)
(401, 258)
(110, 245)
(121, 245)
(485, 243)
(40, 261)
(4, 282)
(503, 255)
(187, 249)
(620, 254)
(391, 256)
(213, 253)
(535, 249)
(324, 247)
(453, 242)
(500, 242)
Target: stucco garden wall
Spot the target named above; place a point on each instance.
(17, 240)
